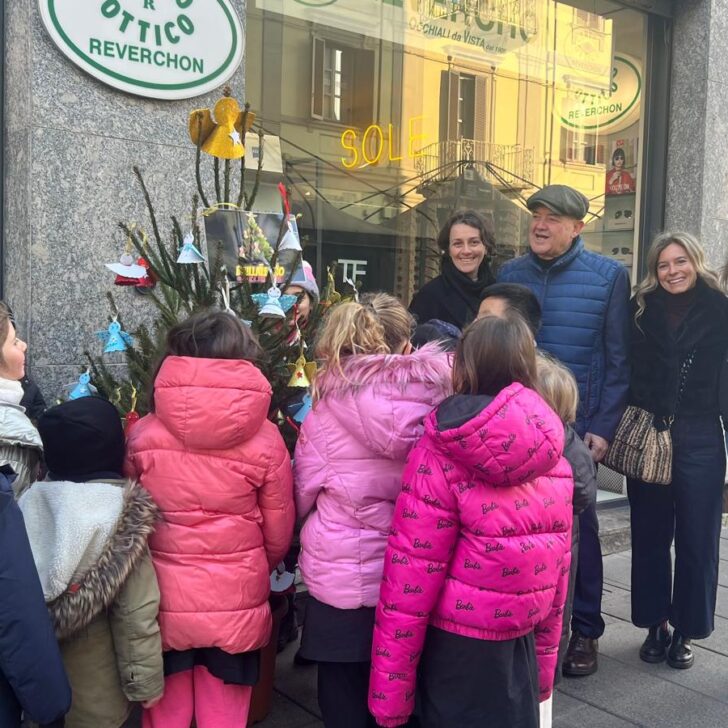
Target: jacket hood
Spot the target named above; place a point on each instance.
(86, 539)
(17, 429)
(211, 404)
(509, 440)
(383, 399)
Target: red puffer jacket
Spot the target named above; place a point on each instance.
(220, 473)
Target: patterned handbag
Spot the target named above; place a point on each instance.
(642, 445)
(639, 449)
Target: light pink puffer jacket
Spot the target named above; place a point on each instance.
(348, 467)
(480, 542)
(220, 473)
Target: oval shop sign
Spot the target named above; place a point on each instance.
(162, 49)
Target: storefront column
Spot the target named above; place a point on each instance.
(697, 179)
(71, 143)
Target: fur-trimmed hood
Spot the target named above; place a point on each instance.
(430, 365)
(86, 539)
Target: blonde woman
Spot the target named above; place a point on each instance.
(371, 396)
(678, 343)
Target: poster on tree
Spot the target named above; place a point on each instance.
(252, 237)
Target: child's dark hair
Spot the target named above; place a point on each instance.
(517, 298)
(494, 352)
(209, 335)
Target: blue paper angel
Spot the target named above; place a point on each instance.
(273, 304)
(114, 338)
(82, 388)
(189, 252)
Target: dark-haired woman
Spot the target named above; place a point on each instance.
(679, 341)
(467, 241)
(221, 475)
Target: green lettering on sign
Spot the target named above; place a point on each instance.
(158, 48)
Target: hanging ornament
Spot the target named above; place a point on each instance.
(114, 338)
(221, 132)
(149, 280)
(273, 304)
(290, 239)
(302, 372)
(83, 387)
(301, 410)
(128, 272)
(132, 416)
(281, 580)
(189, 252)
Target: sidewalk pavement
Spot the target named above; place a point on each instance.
(624, 692)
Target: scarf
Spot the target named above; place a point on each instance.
(11, 392)
(467, 292)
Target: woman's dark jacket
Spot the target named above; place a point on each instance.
(658, 353)
(32, 677)
(452, 296)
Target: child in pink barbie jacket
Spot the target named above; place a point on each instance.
(477, 563)
(371, 396)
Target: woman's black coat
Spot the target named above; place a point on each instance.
(452, 296)
(657, 354)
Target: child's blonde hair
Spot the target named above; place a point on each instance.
(377, 324)
(556, 384)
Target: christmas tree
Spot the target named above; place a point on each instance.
(179, 280)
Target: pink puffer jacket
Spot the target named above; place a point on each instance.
(348, 467)
(221, 475)
(480, 543)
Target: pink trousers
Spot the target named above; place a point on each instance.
(196, 693)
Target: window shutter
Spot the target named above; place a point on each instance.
(362, 89)
(480, 115)
(317, 78)
(449, 101)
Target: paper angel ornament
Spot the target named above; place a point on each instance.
(304, 408)
(114, 338)
(221, 132)
(273, 304)
(128, 273)
(82, 388)
(189, 252)
(302, 372)
(280, 579)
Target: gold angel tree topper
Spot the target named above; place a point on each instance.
(221, 132)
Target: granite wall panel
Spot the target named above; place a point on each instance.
(70, 146)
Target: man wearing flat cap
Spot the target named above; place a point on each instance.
(585, 302)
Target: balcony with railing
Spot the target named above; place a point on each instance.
(506, 166)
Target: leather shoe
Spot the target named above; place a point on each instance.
(680, 655)
(655, 646)
(581, 656)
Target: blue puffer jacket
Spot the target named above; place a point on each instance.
(585, 302)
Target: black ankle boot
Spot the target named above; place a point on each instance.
(655, 646)
(680, 655)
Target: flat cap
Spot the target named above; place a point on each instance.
(562, 200)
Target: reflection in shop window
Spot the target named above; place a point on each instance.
(579, 147)
(342, 83)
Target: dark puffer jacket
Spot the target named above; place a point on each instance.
(585, 302)
(32, 678)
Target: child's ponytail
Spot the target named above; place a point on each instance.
(378, 324)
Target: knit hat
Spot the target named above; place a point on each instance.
(83, 440)
(305, 279)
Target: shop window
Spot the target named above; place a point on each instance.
(579, 147)
(462, 106)
(342, 85)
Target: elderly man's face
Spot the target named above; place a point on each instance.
(550, 234)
